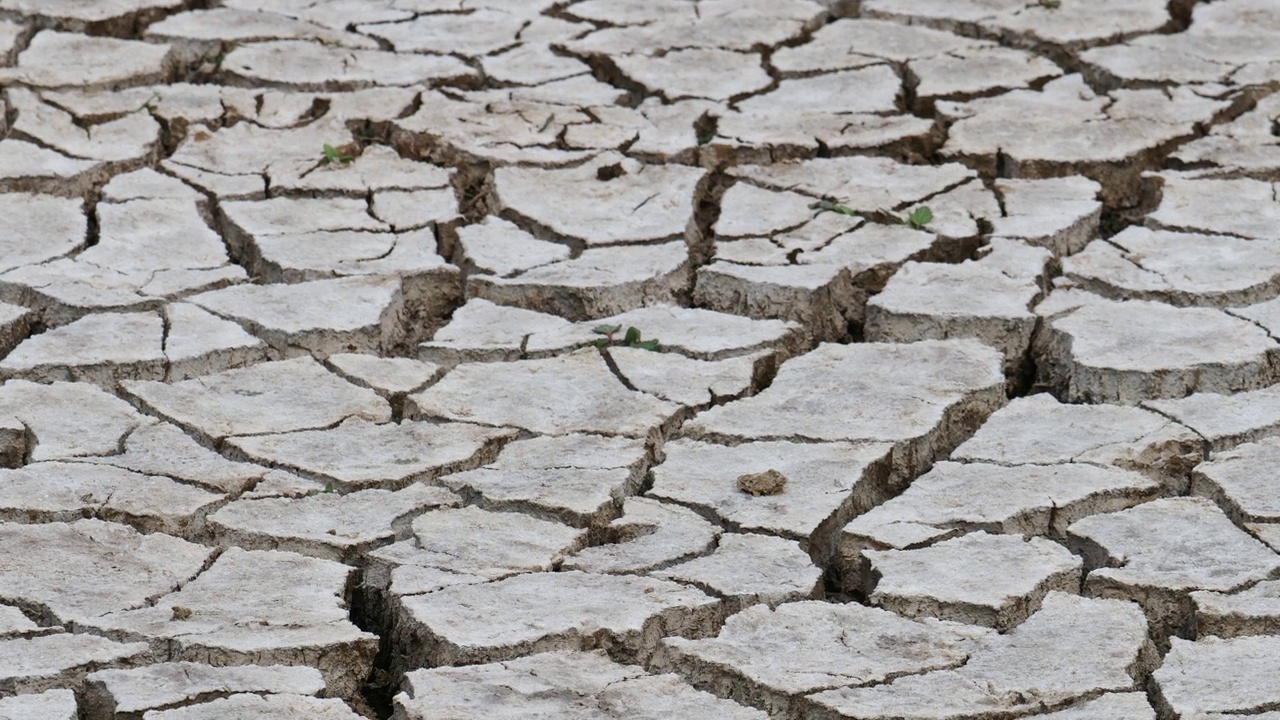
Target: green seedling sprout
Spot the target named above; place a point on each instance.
(332, 155)
(828, 206)
(631, 338)
(917, 219)
(920, 217)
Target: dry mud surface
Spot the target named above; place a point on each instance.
(938, 375)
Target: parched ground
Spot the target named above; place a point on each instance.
(744, 359)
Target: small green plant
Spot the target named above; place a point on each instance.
(829, 206)
(920, 217)
(631, 338)
(328, 488)
(917, 219)
(1051, 4)
(149, 106)
(333, 155)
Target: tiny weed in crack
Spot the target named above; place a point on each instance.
(632, 338)
(917, 219)
(338, 155)
(920, 217)
(829, 206)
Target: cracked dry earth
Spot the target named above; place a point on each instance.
(302, 414)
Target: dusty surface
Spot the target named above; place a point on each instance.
(749, 359)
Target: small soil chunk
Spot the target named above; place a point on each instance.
(769, 482)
